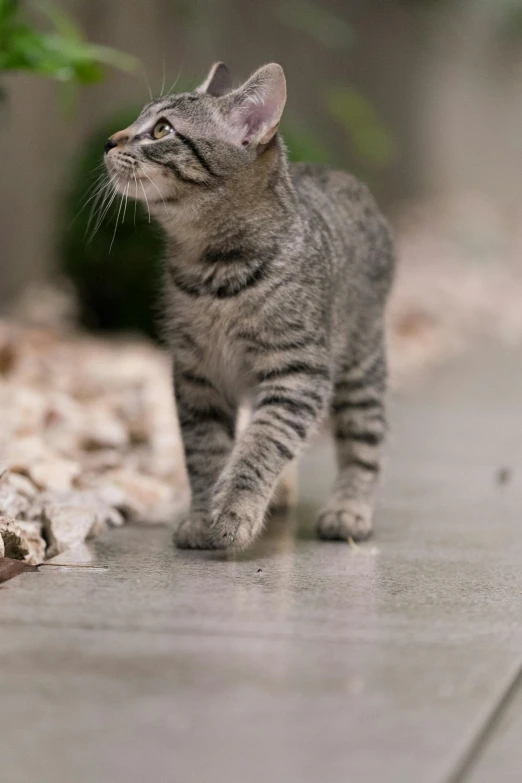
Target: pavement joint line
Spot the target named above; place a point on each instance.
(484, 729)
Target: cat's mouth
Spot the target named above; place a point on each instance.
(130, 177)
(122, 169)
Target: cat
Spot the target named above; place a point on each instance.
(277, 276)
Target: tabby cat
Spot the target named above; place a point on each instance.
(277, 276)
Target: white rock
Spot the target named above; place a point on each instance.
(34, 541)
(87, 432)
(67, 525)
(54, 473)
(104, 431)
(27, 409)
(102, 491)
(113, 517)
(25, 451)
(101, 460)
(73, 509)
(147, 499)
(22, 540)
(22, 485)
(12, 504)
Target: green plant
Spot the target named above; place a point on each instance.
(371, 140)
(61, 53)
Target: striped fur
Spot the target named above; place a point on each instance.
(276, 281)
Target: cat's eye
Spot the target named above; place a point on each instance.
(162, 129)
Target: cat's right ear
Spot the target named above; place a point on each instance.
(254, 110)
(218, 81)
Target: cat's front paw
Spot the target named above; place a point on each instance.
(234, 525)
(344, 520)
(193, 532)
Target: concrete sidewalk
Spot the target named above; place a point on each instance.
(299, 661)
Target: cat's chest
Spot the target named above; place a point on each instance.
(213, 327)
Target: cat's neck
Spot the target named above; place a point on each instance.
(266, 205)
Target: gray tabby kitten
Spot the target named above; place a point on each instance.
(277, 278)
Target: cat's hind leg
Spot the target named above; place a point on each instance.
(359, 425)
(285, 493)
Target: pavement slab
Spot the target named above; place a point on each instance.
(299, 660)
(498, 757)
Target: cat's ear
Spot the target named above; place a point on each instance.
(218, 81)
(256, 107)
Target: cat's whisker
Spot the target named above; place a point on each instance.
(169, 215)
(101, 176)
(144, 73)
(94, 191)
(164, 76)
(135, 198)
(176, 80)
(106, 208)
(126, 200)
(98, 206)
(116, 223)
(99, 200)
(101, 209)
(146, 199)
(100, 183)
(105, 211)
(97, 188)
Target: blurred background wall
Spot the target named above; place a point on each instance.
(419, 97)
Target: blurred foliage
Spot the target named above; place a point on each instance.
(61, 54)
(117, 286)
(506, 14)
(325, 27)
(302, 142)
(371, 139)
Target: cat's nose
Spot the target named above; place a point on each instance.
(109, 144)
(121, 137)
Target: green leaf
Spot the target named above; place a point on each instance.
(61, 54)
(62, 23)
(370, 137)
(109, 56)
(8, 10)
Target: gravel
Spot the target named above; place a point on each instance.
(88, 439)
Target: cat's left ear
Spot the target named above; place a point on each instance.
(255, 109)
(218, 81)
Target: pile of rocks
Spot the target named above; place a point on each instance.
(459, 281)
(88, 439)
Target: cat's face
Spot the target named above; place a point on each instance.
(192, 143)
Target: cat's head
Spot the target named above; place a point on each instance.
(193, 143)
